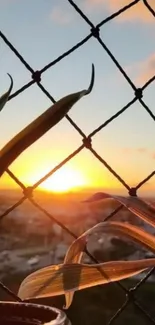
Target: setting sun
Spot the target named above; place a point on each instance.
(64, 180)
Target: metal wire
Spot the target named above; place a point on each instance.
(86, 141)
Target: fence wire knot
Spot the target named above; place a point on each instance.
(87, 142)
(130, 295)
(36, 76)
(95, 31)
(133, 191)
(139, 93)
(28, 192)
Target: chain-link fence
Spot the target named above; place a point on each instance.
(86, 140)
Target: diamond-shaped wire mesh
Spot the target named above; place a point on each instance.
(86, 144)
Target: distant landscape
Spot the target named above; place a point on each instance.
(30, 240)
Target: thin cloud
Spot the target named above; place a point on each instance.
(138, 12)
(60, 16)
(140, 150)
(142, 71)
(146, 70)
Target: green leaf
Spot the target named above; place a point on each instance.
(4, 97)
(40, 126)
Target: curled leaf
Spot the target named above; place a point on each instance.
(5, 96)
(139, 207)
(40, 126)
(62, 281)
(63, 278)
(75, 251)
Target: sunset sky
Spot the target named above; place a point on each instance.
(41, 30)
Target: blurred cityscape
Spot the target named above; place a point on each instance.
(30, 240)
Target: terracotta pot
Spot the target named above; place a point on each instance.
(16, 313)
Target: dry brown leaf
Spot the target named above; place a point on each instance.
(63, 278)
(136, 205)
(63, 273)
(75, 251)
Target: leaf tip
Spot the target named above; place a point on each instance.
(92, 80)
(11, 85)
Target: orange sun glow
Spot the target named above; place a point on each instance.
(64, 180)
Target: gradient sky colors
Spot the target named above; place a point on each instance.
(41, 30)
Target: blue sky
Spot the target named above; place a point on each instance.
(41, 30)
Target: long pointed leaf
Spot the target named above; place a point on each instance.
(75, 251)
(62, 278)
(139, 207)
(40, 126)
(5, 96)
(120, 229)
